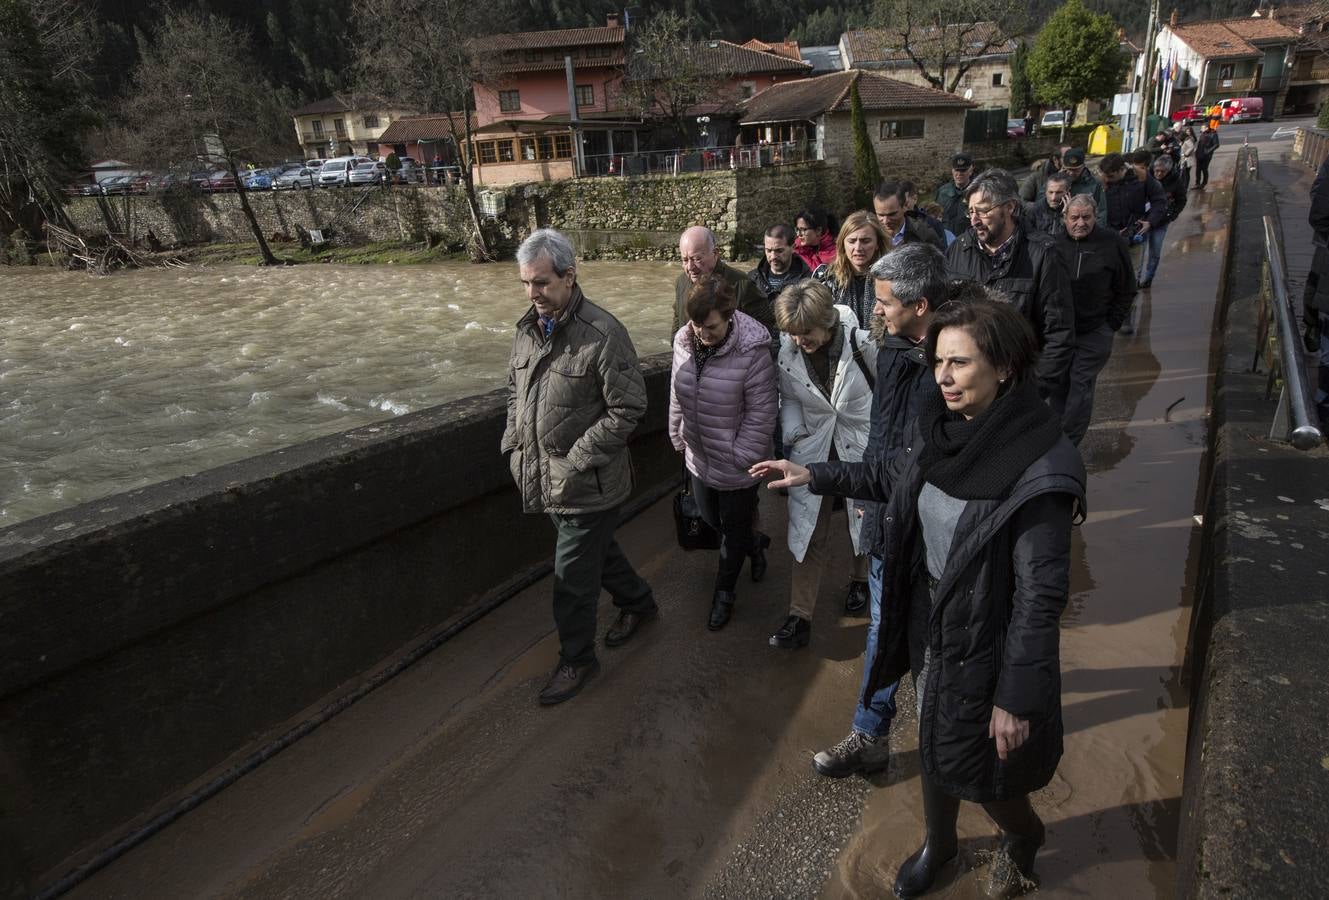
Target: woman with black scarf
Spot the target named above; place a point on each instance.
(977, 574)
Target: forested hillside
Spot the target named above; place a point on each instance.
(306, 46)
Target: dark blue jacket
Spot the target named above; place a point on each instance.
(904, 380)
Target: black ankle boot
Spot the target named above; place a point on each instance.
(1023, 848)
(758, 556)
(919, 871)
(722, 606)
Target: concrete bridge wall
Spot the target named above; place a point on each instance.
(150, 636)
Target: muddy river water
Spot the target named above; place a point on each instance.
(111, 383)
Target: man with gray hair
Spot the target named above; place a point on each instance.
(998, 251)
(1102, 278)
(575, 394)
(700, 253)
(910, 283)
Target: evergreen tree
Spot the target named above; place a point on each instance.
(866, 171)
(1022, 97)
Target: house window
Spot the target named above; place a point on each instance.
(505, 152)
(997, 79)
(528, 149)
(371, 121)
(585, 95)
(563, 146)
(534, 55)
(340, 125)
(509, 101)
(895, 129)
(318, 127)
(488, 152)
(746, 90)
(1226, 71)
(602, 52)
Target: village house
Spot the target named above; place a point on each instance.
(524, 126)
(342, 125)
(426, 139)
(983, 46)
(1308, 82)
(1204, 62)
(915, 130)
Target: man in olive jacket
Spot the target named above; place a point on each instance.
(575, 394)
(701, 257)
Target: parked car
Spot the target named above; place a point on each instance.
(1242, 109)
(116, 184)
(1055, 118)
(1015, 128)
(1191, 114)
(372, 172)
(410, 172)
(336, 171)
(219, 181)
(260, 179)
(314, 163)
(295, 179)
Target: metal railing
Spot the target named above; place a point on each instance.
(1296, 420)
(1311, 146)
(680, 161)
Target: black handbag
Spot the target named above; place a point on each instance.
(693, 532)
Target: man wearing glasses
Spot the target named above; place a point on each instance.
(997, 251)
(701, 257)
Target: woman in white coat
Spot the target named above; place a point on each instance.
(826, 366)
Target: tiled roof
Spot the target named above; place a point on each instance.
(787, 49)
(869, 46)
(541, 40)
(555, 63)
(1233, 38)
(810, 97)
(724, 58)
(334, 104)
(823, 59)
(421, 128)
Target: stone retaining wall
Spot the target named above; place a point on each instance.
(608, 218)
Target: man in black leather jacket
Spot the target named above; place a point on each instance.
(1045, 214)
(780, 266)
(999, 252)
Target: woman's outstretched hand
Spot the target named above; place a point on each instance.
(1009, 731)
(791, 474)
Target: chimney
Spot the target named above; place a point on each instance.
(1273, 13)
(613, 20)
(1172, 21)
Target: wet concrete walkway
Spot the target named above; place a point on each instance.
(684, 769)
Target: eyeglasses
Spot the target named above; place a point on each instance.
(804, 230)
(984, 212)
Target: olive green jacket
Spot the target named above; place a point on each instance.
(574, 398)
(750, 300)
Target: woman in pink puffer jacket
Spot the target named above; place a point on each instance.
(722, 409)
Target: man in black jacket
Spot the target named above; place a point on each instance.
(1173, 183)
(1044, 215)
(1032, 188)
(997, 251)
(910, 282)
(1135, 206)
(1205, 147)
(891, 205)
(1103, 285)
(780, 266)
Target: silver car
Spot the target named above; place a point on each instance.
(295, 179)
(372, 172)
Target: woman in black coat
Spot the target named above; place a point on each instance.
(977, 556)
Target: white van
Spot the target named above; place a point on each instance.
(338, 170)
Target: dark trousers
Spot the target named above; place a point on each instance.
(1202, 170)
(586, 559)
(732, 514)
(1092, 349)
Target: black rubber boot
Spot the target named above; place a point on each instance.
(919, 871)
(722, 606)
(1011, 872)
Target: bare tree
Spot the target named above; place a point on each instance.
(44, 107)
(667, 71)
(198, 95)
(420, 53)
(944, 38)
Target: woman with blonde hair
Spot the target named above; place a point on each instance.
(825, 367)
(861, 242)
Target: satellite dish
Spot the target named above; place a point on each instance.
(968, 93)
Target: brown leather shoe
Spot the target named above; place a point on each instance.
(626, 625)
(567, 681)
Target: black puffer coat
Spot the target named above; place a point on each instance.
(993, 629)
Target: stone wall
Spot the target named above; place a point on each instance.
(608, 218)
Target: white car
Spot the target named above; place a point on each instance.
(337, 171)
(373, 172)
(1054, 118)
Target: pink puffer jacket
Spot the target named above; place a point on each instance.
(723, 423)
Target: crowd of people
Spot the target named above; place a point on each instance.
(915, 381)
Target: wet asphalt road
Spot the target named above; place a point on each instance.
(683, 770)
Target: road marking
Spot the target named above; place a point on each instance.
(1283, 132)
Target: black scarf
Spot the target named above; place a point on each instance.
(981, 458)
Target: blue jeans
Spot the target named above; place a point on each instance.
(875, 718)
(1153, 252)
